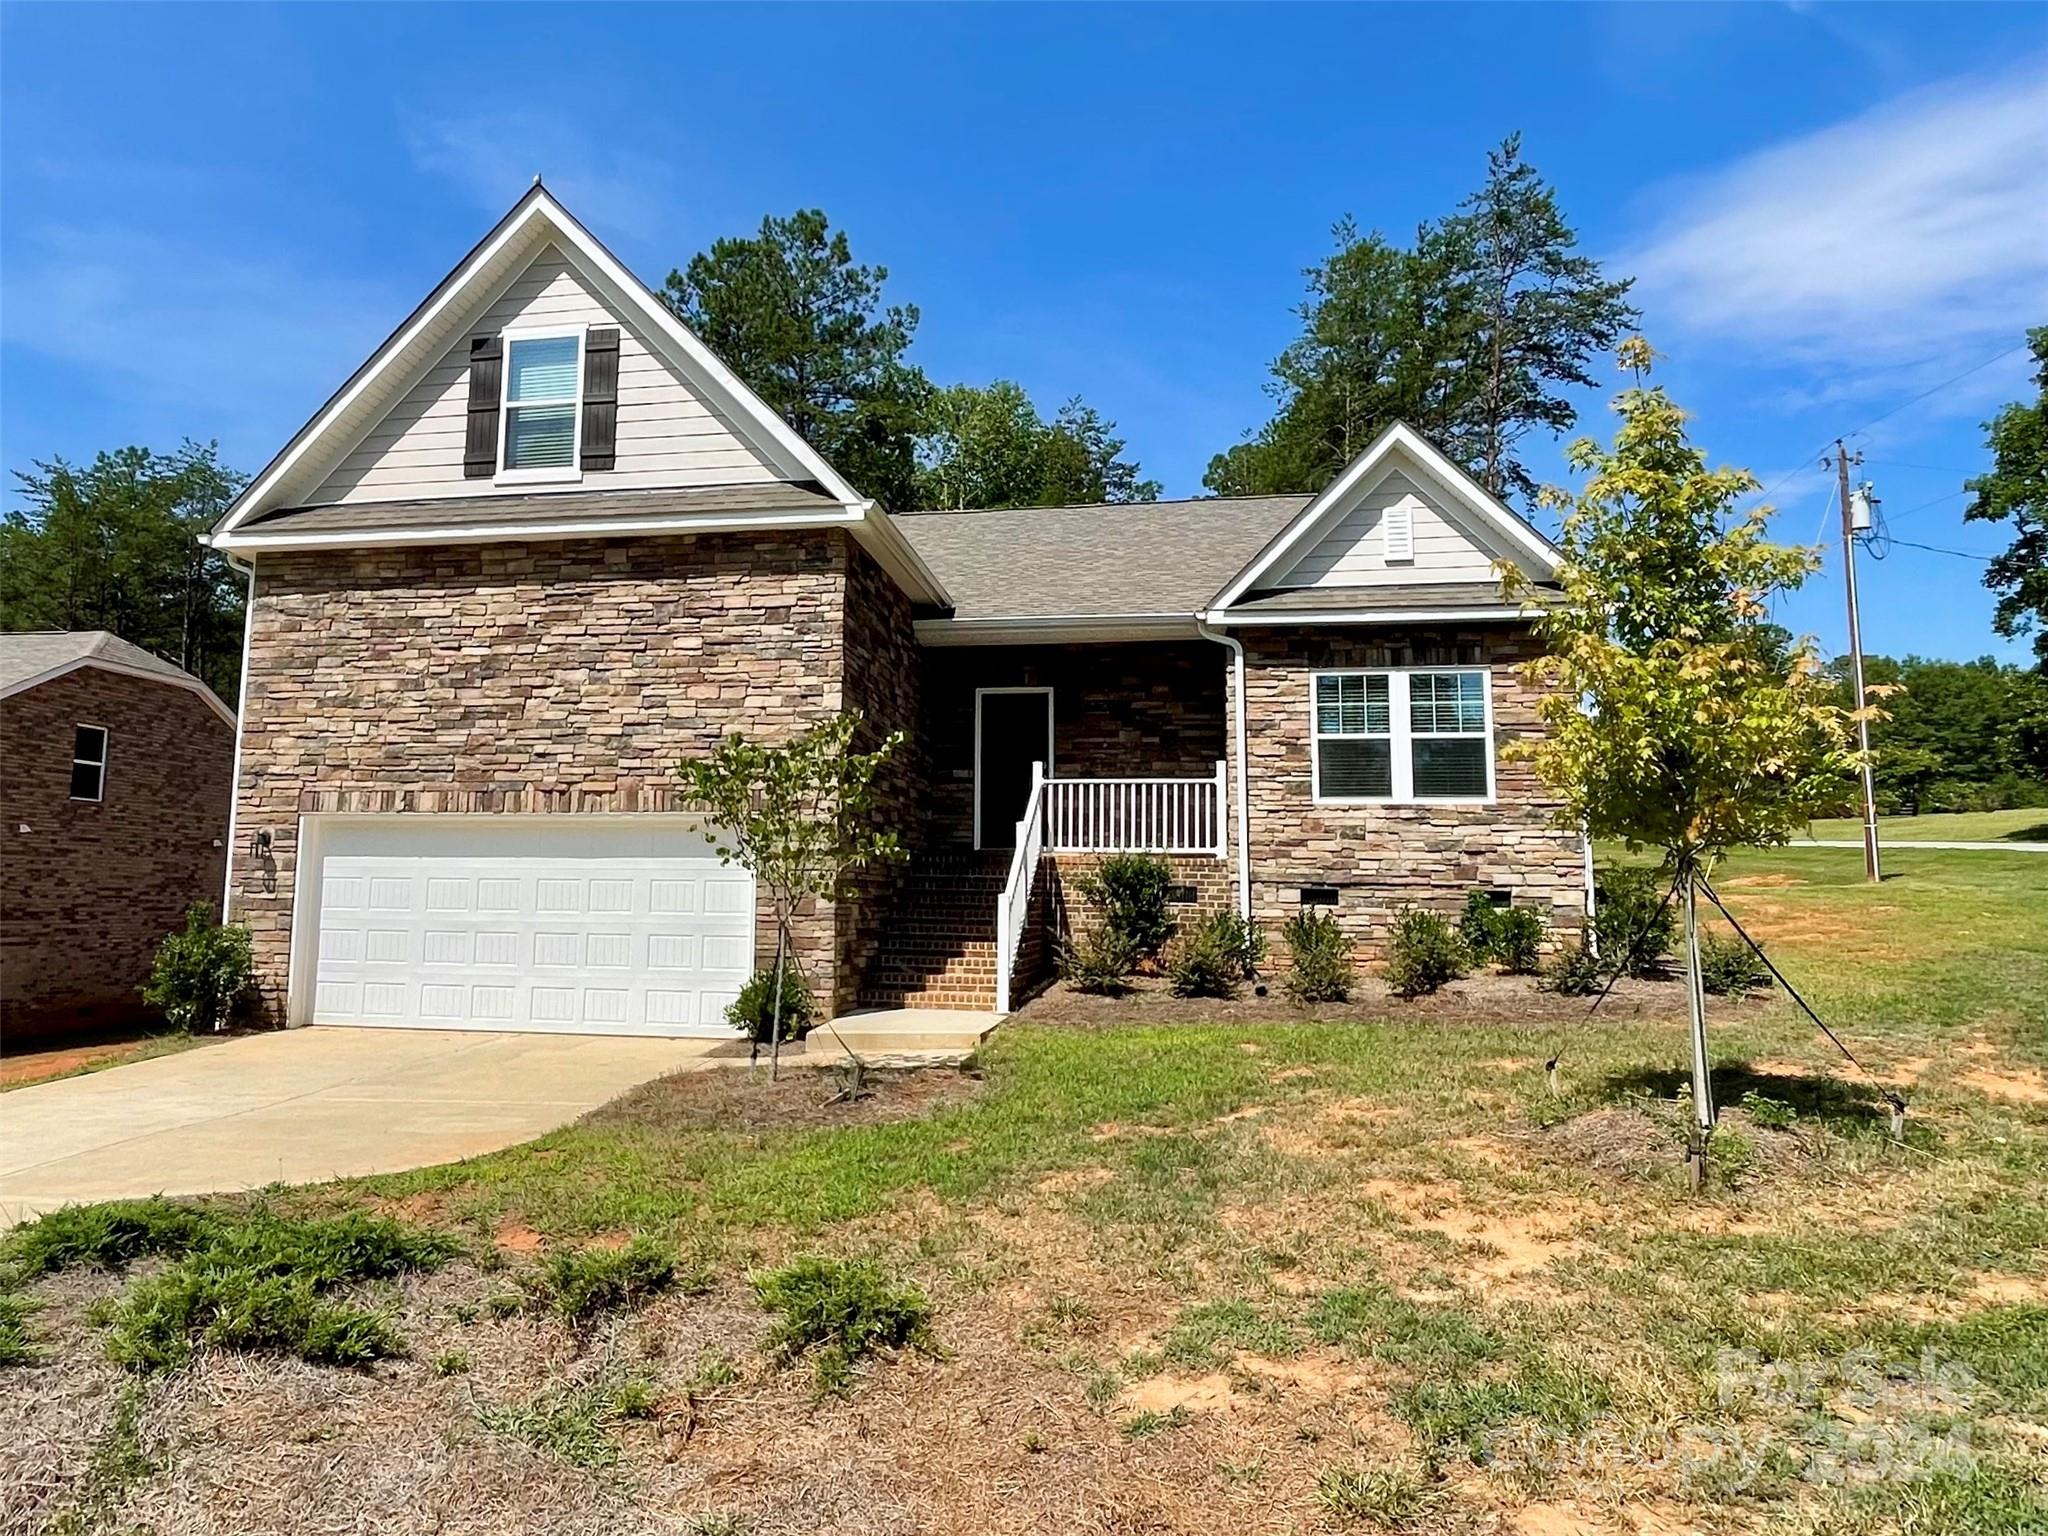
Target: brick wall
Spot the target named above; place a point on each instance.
(1118, 711)
(93, 887)
(1385, 858)
(554, 676)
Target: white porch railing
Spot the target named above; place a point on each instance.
(1013, 907)
(1136, 815)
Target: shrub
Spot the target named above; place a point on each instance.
(1425, 953)
(1635, 925)
(202, 974)
(1098, 959)
(753, 1011)
(1729, 967)
(580, 1284)
(1221, 952)
(1319, 964)
(1575, 971)
(1508, 936)
(110, 1235)
(840, 1311)
(1129, 890)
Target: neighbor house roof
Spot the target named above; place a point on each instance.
(1149, 559)
(602, 509)
(34, 657)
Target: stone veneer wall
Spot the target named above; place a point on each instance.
(93, 887)
(1385, 858)
(1119, 711)
(883, 675)
(558, 677)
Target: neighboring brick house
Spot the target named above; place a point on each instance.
(543, 545)
(116, 770)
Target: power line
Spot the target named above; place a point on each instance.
(1923, 506)
(1935, 549)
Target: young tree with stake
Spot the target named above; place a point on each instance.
(799, 818)
(1679, 719)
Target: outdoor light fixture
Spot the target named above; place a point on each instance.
(263, 843)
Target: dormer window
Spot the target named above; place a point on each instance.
(541, 420)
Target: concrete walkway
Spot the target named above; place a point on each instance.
(1905, 846)
(302, 1105)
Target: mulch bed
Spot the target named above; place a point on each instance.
(1481, 999)
(743, 1099)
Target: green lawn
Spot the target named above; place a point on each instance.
(1282, 1275)
(2029, 826)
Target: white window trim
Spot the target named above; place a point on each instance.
(1400, 736)
(572, 472)
(99, 763)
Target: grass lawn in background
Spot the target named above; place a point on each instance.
(1192, 1266)
(2028, 826)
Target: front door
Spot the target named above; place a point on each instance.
(1012, 730)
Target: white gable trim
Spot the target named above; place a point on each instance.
(536, 220)
(188, 682)
(1534, 553)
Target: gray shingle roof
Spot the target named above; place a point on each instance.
(555, 507)
(1154, 557)
(1392, 598)
(28, 654)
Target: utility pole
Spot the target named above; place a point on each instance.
(1843, 459)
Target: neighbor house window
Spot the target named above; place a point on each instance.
(88, 762)
(542, 374)
(1402, 735)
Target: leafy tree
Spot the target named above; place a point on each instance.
(798, 817)
(116, 545)
(790, 312)
(2017, 489)
(1544, 311)
(1956, 731)
(990, 448)
(1468, 335)
(1676, 719)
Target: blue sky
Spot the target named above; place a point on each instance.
(208, 216)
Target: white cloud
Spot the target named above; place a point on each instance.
(1896, 247)
(237, 342)
(619, 192)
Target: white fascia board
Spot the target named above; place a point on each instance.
(189, 683)
(587, 527)
(892, 550)
(1491, 614)
(1539, 555)
(1038, 628)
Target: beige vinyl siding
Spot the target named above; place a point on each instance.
(1351, 554)
(667, 436)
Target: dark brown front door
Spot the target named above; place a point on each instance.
(1013, 730)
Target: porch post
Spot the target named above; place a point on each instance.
(1222, 830)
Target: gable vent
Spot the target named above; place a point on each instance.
(1398, 522)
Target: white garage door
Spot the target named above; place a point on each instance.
(622, 926)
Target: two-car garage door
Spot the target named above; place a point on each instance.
(626, 925)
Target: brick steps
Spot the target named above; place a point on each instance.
(938, 946)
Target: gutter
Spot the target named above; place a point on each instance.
(241, 721)
(1241, 740)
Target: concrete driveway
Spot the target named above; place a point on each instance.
(303, 1105)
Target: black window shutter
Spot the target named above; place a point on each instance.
(600, 397)
(480, 448)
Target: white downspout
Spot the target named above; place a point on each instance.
(1242, 798)
(241, 719)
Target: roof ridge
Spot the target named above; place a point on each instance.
(1088, 506)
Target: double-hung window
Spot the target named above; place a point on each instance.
(543, 405)
(89, 762)
(1402, 736)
